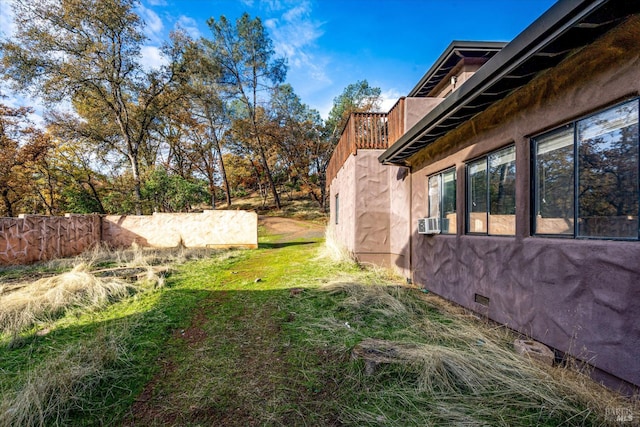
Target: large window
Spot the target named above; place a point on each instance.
(586, 177)
(442, 200)
(491, 194)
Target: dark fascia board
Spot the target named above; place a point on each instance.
(555, 21)
(453, 46)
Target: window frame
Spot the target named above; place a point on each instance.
(440, 176)
(534, 178)
(576, 177)
(467, 209)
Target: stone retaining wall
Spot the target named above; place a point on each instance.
(32, 238)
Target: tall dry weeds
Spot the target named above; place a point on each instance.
(334, 249)
(46, 299)
(25, 305)
(465, 371)
(67, 383)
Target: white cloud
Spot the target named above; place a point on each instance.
(299, 12)
(157, 2)
(294, 34)
(271, 5)
(154, 25)
(7, 26)
(189, 25)
(152, 57)
(389, 98)
(15, 100)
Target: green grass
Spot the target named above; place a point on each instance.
(226, 342)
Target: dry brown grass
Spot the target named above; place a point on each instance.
(45, 299)
(333, 249)
(64, 383)
(87, 286)
(463, 367)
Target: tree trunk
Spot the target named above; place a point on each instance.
(137, 195)
(258, 180)
(272, 184)
(212, 191)
(227, 189)
(223, 171)
(8, 206)
(95, 195)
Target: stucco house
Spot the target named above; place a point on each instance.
(507, 181)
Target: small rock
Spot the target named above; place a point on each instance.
(535, 350)
(257, 280)
(43, 332)
(295, 291)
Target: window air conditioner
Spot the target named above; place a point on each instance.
(429, 225)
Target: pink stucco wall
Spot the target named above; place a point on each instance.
(368, 226)
(579, 296)
(344, 187)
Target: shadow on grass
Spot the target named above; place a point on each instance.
(284, 244)
(232, 324)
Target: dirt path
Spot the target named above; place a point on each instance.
(290, 229)
(230, 362)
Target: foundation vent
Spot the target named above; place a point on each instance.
(481, 299)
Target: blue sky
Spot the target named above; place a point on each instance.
(332, 43)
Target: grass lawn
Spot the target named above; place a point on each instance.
(265, 337)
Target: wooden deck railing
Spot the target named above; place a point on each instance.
(395, 122)
(374, 131)
(362, 131)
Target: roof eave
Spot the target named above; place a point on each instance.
(454, 45)
(551, 24)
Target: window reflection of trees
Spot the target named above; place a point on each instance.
(502, 177)
(608, 173)
(477, 197)
(492, 194)
(555, 182)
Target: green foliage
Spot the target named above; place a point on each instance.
(217, 96)
(172, 193)
(87, 52)
(79, 201)
(356, 97)
(249, 71)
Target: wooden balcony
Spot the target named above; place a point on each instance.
(372, 131)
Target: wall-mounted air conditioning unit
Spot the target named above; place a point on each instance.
(429, 225)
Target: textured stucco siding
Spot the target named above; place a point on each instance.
(579, 296)
(344, 186)
(209, 229)
(417, 108)
(400, 224)
(373, 219)
(372, 206)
